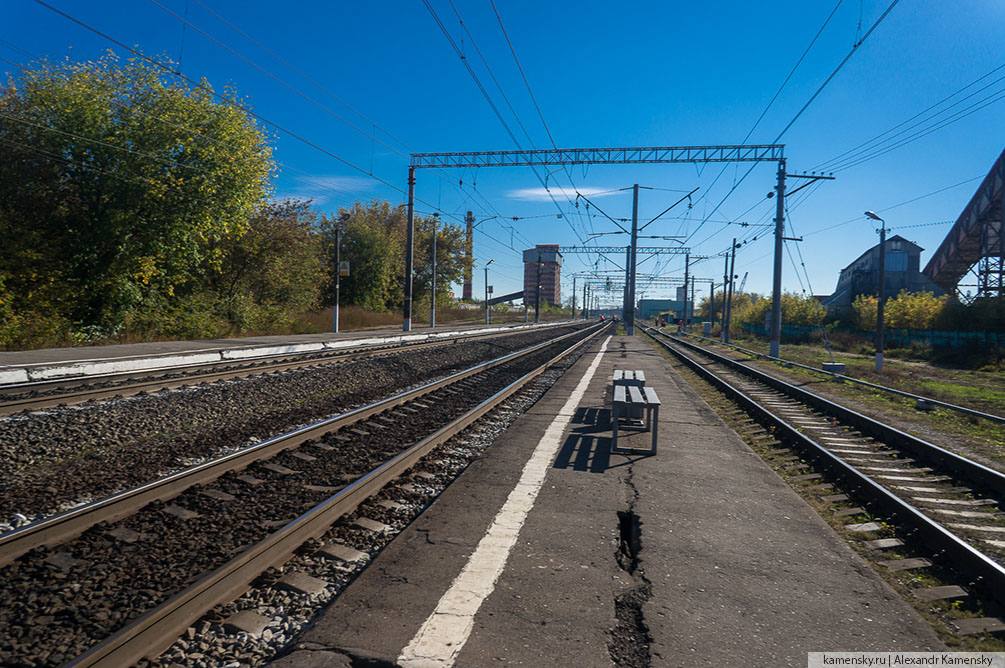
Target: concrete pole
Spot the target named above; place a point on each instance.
(469, 221)
(687, 269)
(537, 292)
(628, 282)
(487, 291)
(338, 276)
(409, 242)
(432, 284)
(630, 325)
(732, 278)
(880, 324)
(725, 287)
(776, 283)
(573, 297)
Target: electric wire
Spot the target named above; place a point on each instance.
(808, 103)
(823, 166)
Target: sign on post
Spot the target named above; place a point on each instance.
(343, 268)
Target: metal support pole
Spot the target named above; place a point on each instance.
(537, 295)
(628, 282)
(712, 303)
(586, 303)
(725, 288)
(432, 283)
(409, 239)
(776, 284)
(687, 269)
(487, 292)
(573, 297)
(338, 276)
(693, 285)
(732, 279)
(635, 244)
(882, 298)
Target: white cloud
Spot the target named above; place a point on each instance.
(558, 192)
(327, 188)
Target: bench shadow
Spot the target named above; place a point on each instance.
(584, 450)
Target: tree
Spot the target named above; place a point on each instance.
(796, 310)
(373, 242)
(274, 270)
(865, 309)
(119, 186)
(914, 310)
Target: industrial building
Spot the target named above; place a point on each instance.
(902, 272)
(551, 274)
(651, 308)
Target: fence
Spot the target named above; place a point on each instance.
(895, 337)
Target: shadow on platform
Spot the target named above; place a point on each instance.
(584, 449)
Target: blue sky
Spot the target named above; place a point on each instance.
(603, 74)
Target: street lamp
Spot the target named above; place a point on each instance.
(882, 290)
(487, 290)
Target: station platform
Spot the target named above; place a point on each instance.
(550, 550)
(35, 365)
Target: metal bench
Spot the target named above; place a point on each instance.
(630, 399)
(627, 377)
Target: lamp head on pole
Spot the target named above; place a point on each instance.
(488, 263)
(871, 214)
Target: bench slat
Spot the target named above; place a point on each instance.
(635, 394)
(651, 397)
(619, 394)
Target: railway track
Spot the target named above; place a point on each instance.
(122, 578)
(42, 394)
(948, 503)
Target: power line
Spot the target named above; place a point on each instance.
(836, 159)
(233, 104)
(963, 113)
(341, 191)
(488, 98)
(813, 97)
(780, 89)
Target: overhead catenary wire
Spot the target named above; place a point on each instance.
(823, 166)
(292, 88)
(778, 92)
(805, 106)
(319, 182)
(491, 103)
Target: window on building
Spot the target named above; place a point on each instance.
(896, 261)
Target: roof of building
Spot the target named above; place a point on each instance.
(869, 250)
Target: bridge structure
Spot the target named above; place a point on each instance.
(975, 246)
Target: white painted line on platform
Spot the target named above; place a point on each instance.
(444, 633)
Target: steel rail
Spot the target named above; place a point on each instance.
(214, 370)
(71, 523)
(988, 575)
(155, 631)
(976, 473)
(857, 381)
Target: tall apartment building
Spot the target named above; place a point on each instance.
(551, 270)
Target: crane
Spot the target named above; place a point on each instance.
(744, 281)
